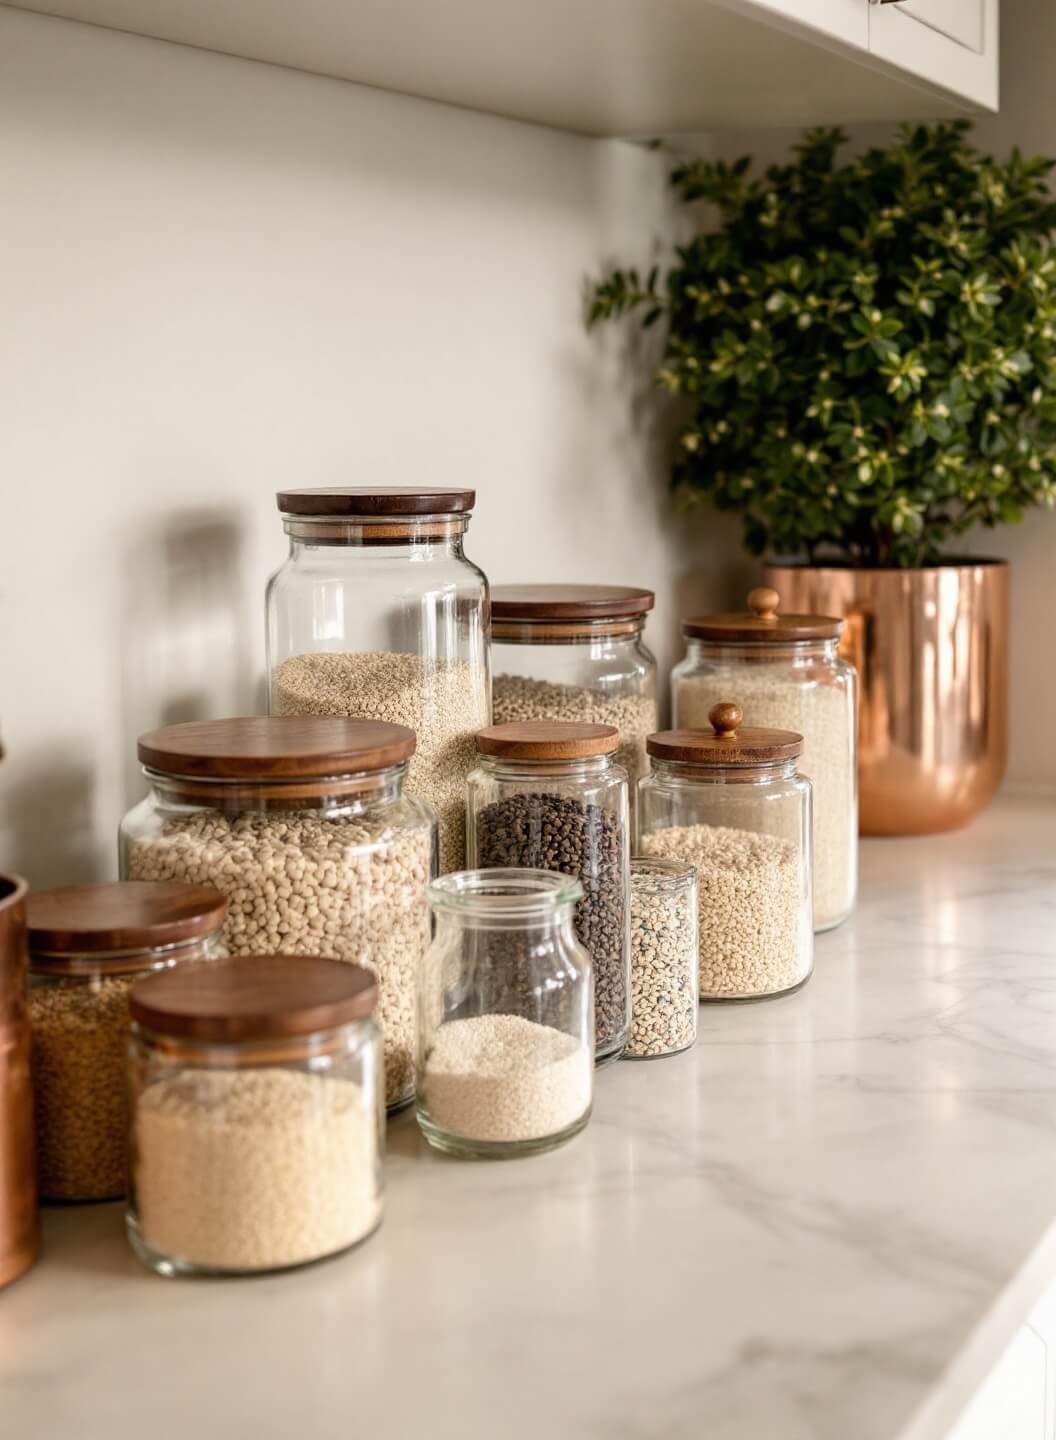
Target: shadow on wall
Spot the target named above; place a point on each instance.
(187, 618)
(48, 822)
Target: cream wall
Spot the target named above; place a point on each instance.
(221, 277)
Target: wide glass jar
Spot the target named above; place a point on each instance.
(505, 1015)
(377, 613)
(665, 958)
(575, 652)
(549, 796)
(88, 944)
(730, 802)
(257, 1115)
(304, 825)
(19, 1228)
(786, 674)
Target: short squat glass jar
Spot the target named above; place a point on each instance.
(304, 825)
(87, 945)
(548, 796)
(377, 613)
(575, 652)
(730, 802)
(786, 673)
(665, 958)
(257, 1115)
(505, 1016)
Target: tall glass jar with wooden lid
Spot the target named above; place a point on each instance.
(730, 801)
(786, 673)
(87, 946)
(577, 653)
(548, 795)
(257, 1115)
(378, 613)
(304, 824)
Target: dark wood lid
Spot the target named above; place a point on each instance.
(725, 743)
(569, 602)
(763, 622)
(121, 915)
(275, 747)
(353, 500)
(253, 997)
(547, 740)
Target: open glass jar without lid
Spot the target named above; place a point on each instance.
(575, 652)
(257, 1117)
(505, 1015)
(87, 945)
(377, 613)
(549, 796)
(785, 672)
(304, 825)
(730, 802)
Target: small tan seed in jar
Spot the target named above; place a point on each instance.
(80, 1032)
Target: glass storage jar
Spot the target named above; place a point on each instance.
(665, 958)
(19, 1228)
(377, 613)
(87, 945)
(786, 674)
(257, 1115)
(730, 802)
(505, 1015)
(304, 825)
(575, 652)
(549, 796)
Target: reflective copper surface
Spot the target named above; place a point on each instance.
(931, 649)
(19, 1236)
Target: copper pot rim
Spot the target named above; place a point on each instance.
(843, 567)
(13, 888)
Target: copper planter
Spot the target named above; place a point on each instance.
(19, 1236)
(931, 649)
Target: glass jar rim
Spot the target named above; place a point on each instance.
(648, 867)
(504, 894)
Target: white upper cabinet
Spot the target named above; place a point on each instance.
(633, 68)
(952, 43)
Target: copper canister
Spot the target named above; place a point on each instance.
(19, 1230)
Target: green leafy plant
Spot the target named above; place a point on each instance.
(866, 349)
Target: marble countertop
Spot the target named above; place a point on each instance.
(823, 1223)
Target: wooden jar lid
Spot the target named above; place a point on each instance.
(569, 602)
(547, 740)
(361, 500)
(121, 915)
(254, 997)
(725, 743)
(762, 622)
(275, 747)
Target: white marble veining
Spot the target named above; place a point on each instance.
(821, 1224)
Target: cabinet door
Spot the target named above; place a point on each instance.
(952, 43)
(846, 20)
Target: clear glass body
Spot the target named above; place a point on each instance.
(505, 1016)
(80, 1018)
(599, 673)
(571, 817)
(254, 1156)
(665, 958)
(747, 830)
(386, 619)
(802, 686)
(340, 872)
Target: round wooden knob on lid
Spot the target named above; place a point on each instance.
(763, 602)
(725, 718)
